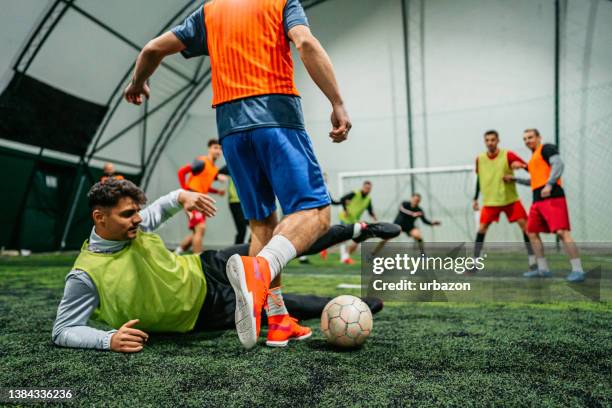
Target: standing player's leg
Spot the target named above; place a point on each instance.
(480, 237)
(554, 211)
(265, 163)
(262, 232)
(577, 274)
(239, 221)
(536, 224)
(488, 215)
(351, 249)
(185, 244)
(415, 233)
(198, 237)
(522, 223)
(515, 212)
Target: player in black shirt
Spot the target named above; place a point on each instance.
(409, 212)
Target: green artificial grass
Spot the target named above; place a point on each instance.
(420, 354)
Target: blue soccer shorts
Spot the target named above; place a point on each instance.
(274, 162)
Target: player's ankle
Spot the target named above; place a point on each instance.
(278, 252)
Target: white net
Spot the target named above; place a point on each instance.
(446, 192)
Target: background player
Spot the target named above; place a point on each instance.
(240, 222)
(499, 196)
(109, 171)
(354, 204)
(548, 212)
(409, 212)
(261, 127)
(202, 173)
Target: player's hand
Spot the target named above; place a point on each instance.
(546, 191)
(436, 223)
(418, 214)
(127, 339)
(190, 200)
(133, 93)
(508, 178)
(516, 165)
(341, 124)
(475, 205)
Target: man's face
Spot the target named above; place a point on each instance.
(109, 169)
(215, 151)
(532, 141)
(415, 200)
(491, 141)
(119, 223)
(367, 187)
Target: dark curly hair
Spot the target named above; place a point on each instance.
(107, 193)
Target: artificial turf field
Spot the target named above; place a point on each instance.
(420, 354)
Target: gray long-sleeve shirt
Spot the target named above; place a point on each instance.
(80, 294)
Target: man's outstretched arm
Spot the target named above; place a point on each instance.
(167, 206)
(321, 71)
(147, 62)
(78, 303)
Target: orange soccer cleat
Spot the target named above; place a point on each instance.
(323, 254)
(250, 279)
(348, 261)
(282, 328)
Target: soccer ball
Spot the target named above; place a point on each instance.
(346, 321)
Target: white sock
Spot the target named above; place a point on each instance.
(542, 265)
(303, 258)
(356, 229)
(276, 304)
(278, 253)
(576, 265)
(178, 250)
(532, 260)
(343, 253)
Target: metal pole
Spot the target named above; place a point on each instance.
(557, 70)
(72, 211)
(405, 18)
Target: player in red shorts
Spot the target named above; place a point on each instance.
(202, 173)
(499, 196)
(548, 213)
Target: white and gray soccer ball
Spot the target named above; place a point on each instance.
(346, 321)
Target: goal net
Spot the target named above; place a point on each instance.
(446, 192)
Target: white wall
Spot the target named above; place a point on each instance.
(483, 65)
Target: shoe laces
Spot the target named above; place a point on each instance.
(275, 299)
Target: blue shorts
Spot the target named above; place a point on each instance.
(274, 162)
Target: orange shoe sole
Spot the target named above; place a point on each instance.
(246, 325)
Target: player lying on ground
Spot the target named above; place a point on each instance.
(499, 195)
(548, 212)
(125, 276)
(202, 174)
